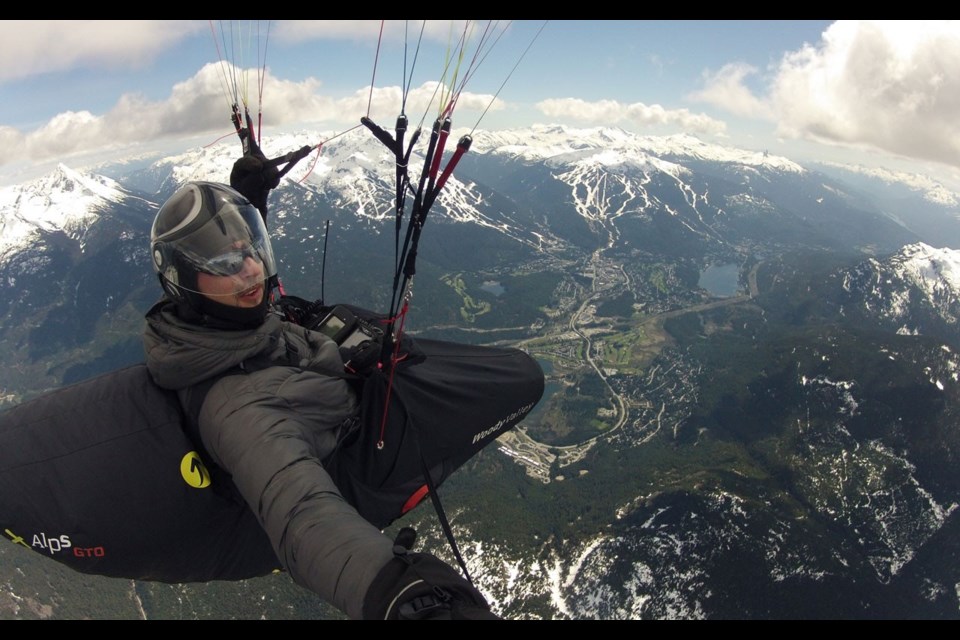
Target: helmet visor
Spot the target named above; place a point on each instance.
(231, 262)
(221, 246)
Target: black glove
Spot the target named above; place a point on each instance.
(299, 154)
(254, 177)
(419, 586)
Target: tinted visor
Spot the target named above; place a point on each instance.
(231, 262)
(231, 235)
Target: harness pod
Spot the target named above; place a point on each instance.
(446, 403)
(103, 477)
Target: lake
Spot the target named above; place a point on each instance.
(721, 280)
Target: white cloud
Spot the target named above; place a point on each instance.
(198, 106)
(612, 111)
(886, 85)
(30, 47)
(726, 89)
(892, 85)
(195, 106)
(293, 31)
(425, 99)
(11, 141)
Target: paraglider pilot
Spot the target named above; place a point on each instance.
(278, 409)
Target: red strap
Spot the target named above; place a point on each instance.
(415, 499)
(394, 359)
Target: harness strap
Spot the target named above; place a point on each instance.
(442, 516)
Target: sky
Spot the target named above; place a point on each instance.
(871, 93)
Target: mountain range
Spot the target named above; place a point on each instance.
(784, 448)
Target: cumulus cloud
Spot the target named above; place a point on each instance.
(197, 107)
(293, 31)
(892, 86)
(29, 47)
(727, 89)
(429, 98)
(12, 141)
(612, 111)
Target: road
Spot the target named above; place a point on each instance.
(539, 457)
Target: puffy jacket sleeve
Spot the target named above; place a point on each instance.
(269, 430)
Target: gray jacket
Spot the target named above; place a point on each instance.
(270, 428)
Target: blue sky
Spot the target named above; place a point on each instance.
(877, 93)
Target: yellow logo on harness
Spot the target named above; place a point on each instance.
(15, 538)
(193, 471)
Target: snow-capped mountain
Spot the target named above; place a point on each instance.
(788, 451)
(660, 190)
(931, 190)
(615, 146)
(926, 206)
(917, 289)
(66, 200)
